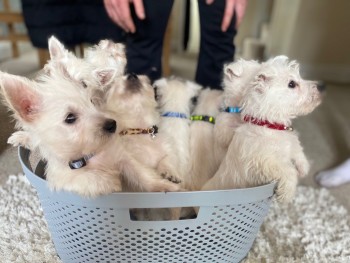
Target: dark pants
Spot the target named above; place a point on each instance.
(144, 48)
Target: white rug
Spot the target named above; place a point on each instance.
(314, 228)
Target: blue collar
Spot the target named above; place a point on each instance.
(174, 114)
(232, 109)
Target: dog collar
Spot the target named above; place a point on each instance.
(79, 163)
(275, 126)
(206, 118)
(132, 131)
(232, 109)
(174, 114)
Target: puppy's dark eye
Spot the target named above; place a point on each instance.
(292, 84)
(194, 100)
(71, 118)
(155, 88)
(83, 84)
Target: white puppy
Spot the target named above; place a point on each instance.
(203, 164)
(237, 75)
(176, 101)
(81, 75)
(107, 54)
(265, 148)
(77, 139)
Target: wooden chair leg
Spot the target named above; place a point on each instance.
(44, 56)
(167, 50)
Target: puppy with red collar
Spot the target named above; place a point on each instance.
(265, 148)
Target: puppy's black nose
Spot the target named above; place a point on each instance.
(132, 76)
(110, 126)
(321, 86)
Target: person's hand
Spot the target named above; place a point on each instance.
(119, 12)
(231, 6)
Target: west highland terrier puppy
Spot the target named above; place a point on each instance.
(60, 120)
(76, 137)
(107, 54)
(82, 75)
(176, 98)
(203, 164)
(131, 100)
(265, 148)
(92, 77)
(237, 75)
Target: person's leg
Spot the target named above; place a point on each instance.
(336, 176)
(144, 47)
(216, 47)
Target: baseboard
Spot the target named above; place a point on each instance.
(332, 73)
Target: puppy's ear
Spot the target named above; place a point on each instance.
(193, 86)
(105, 44)
(20, 96)
(279, 60)
(294, 65)
(261, 82)
(58, 67)
(56, 49)
(233, 70)
(160, 83)
(261, 77)
(104, 76)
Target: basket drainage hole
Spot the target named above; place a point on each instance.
(161, 214)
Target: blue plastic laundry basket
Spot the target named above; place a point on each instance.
(101, 230)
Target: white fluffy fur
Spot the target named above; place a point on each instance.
(237, 75)
(40, 109)
(81, 73)
(107, 54)
(203, 164)
(90, 76)
(175, 95)
(132, 103)
(258, 155)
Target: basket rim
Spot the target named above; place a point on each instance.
(147, 199)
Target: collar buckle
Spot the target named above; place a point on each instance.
(153, 131)
(80, 163)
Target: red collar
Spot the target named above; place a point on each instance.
(275, 126)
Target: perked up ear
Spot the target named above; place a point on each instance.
(105, 76)
(105, 44)
(161, 83)
(194, 86)
(20, 96)
(261, 83)
(280, 59)
(56, 49)
(233, 70)
(261, 77)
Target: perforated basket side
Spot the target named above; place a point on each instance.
(82, 234)
(101, 230)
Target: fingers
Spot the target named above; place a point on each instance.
(240, 11)
(125, 16)
(231, 7)
(119, 12)
(228, 14)
(139, 9)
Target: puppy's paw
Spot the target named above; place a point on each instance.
(19, 138)
(284, 196)
(302, 166)
(285, 191)
(164, 185)
(171, 178)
